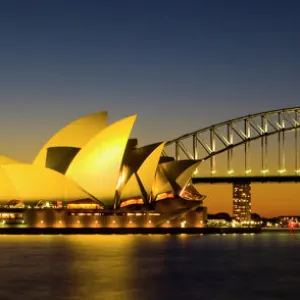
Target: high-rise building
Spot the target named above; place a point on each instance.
(242, 201)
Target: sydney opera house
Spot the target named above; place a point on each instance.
(93, 175)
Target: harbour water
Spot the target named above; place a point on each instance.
(150, 267)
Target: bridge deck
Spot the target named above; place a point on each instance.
(246, 179)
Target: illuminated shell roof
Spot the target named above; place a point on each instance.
(7, 188)
(75, 134)
(96, 167)
(173, 176)
(143, 162)
(29, 183)
(131, 189)
(99, 162)
(4, 160)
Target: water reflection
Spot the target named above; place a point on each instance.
(103, 267)
(149, 267)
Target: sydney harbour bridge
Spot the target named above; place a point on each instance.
(262, 147)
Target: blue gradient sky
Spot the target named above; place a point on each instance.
(180, 65)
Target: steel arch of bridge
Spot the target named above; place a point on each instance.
(241, 131)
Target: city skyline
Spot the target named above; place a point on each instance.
(268, 199)
(179, 66)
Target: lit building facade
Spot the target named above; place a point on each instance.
(90, 174)
(242, 202)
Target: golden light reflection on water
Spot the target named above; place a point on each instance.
(69, 267)
(79, 266)
(145, 267)
(102, 261)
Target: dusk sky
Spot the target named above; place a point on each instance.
(179, 65)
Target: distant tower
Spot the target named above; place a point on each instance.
(242, 201)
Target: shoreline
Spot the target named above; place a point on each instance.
(122, 231)
(280, 230)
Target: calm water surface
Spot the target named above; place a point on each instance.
(265, 266)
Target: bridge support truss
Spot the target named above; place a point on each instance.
(213, 140)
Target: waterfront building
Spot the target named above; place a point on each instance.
(242, 202)
(92, 174)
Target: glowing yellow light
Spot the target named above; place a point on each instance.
(248, 171)
(33, 182)
(182, 224)
(42, 221)
(121, 179)
(101, 158)
(230, 171)
(265, 171)
(282, 171)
